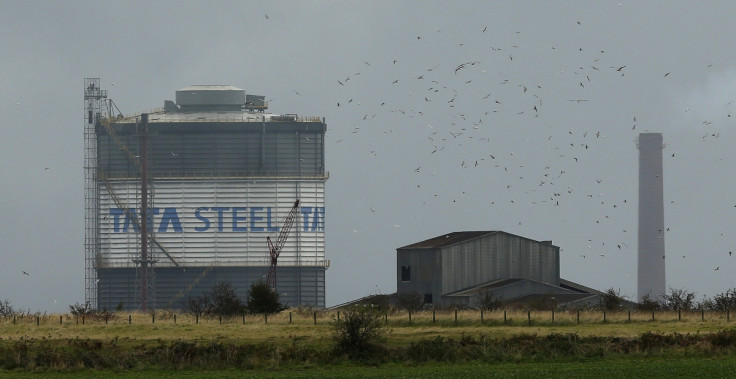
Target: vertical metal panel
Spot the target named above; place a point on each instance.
(211, 151)
(497, 256)
(175, 286)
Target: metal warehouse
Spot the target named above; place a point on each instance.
(183, 197)
(465, 268)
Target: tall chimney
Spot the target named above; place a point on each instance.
(651, 218)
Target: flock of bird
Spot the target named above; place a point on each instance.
(479, 112)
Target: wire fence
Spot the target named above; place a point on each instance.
(444, 318)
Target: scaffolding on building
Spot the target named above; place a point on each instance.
(94, 98)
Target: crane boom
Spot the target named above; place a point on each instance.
(275, 249)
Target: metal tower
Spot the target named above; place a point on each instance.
(94, 98)
(651, 267)
(145, 279)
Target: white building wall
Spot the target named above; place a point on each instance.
(216, 222)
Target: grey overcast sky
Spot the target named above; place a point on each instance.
(420, 144)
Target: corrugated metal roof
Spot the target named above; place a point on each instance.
(458, 237)
(210, 87)
(447, 240)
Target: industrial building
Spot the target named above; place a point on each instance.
(465, 268)
(182, 197)
(651, 267)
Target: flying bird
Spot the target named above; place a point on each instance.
(462, 65)
(26, 274)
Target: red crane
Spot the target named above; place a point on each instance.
(275, 250)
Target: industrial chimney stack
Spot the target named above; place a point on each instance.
(651, 267)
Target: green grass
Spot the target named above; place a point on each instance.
(718, 367)
(295, 346)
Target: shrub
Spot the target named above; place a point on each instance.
(6, 309)
(221, 300)
(612, 300)
(490, 303)
(411, 301)
(721, 302)
(263, 299)
(676, 299)
(647, 303)
(359, 330)
(86, 310)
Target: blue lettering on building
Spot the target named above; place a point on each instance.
(208, 219)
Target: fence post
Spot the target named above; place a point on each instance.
(174, 318)
(130, 319)
(455, 316)
(679, 314)
(433, 318)
(629, 320)
(553, 316)
(529, 316)
(105, 319)
(244, 317)
(82, 319)
(153, 317)
(315, 317)
(38, 320)
(504, 317)
(410, 316)
(604, 315)
(481, 316)
(289, 317)
(196, 318)
(338, 316)
(652, 314)
(265, 318)
(61, 318)
(578, 316)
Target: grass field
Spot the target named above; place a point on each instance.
(719, 367)
(299, 344)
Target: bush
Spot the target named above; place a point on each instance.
(359, 330)
(721, 302)
(86, 310)
(612, 300)
(648, 304)
(220, 301)
(263, 299)
(679, 299)
(490, 303)
(6, 309)
(382, 302)
(410, 301)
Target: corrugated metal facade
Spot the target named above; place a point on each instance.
(175, 286)
(444, 269)
(221, 182)
(203, 222)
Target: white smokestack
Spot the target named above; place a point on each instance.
(651, 217)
